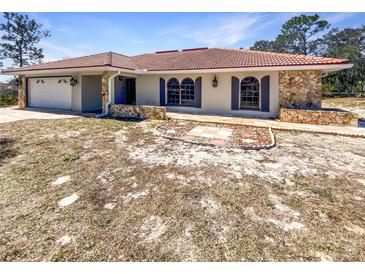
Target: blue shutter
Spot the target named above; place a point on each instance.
(265, 93)
(162, 92)
(198, 92)
(120, 96)
(124, 91)
(235, 93)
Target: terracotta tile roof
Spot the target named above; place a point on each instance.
(216, 58)
(188, 59)
(95, 60)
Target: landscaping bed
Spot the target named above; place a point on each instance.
(219, 134)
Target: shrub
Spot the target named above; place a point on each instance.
(8, 100)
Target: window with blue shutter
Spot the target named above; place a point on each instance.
(235, 93)
(198, 92)
(265, 93)
(162, 92)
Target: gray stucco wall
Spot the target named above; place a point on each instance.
(91, 97)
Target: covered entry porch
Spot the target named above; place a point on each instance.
(119, 97)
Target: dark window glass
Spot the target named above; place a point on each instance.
(250, 93)
(187, 92)
(173, 92)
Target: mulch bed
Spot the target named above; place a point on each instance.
(244, 137)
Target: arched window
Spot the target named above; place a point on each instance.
(173, 92)
(187, 92)
(250, 93)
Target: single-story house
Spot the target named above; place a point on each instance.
(221, 81)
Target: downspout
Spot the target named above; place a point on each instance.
(106, 113)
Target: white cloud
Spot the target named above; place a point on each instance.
(63, 29)
(40, 19)
(338, 17)
(53, 52)
(222, 31)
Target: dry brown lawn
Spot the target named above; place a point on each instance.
(353, 104)
(132, 195)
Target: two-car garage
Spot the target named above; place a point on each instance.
(50, 92)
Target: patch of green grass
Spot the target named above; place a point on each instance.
(6, 148)
(94, 256)
(8, 100)
(13, 253)
(19, 170)
(325, 193)
(70, 157)
(270, 204)
(101, 221)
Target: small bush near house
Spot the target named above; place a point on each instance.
(8, 95)
(8, 100)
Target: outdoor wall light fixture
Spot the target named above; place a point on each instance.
(17, 82)
(215, 82)
(73, 81)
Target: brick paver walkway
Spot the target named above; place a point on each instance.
(274, 124)
(211, 132)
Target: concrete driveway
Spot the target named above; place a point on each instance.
(11, 114)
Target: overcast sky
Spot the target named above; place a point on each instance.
(77, 34)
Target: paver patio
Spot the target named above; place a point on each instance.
(211, 132)
(220, 134)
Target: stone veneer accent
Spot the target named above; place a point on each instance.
(302, 88)
(138, 111)
(318, 117)
(22, 97)
(105, 88)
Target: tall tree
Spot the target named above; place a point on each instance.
(264, 45)
(20, 38)
(267, 45)
(299, 35)
(348, 43)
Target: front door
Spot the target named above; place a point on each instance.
(131, 91)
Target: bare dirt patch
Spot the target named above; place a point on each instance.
(154, 199)
(353, 104)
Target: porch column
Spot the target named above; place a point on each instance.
(105, 88)
(22, 97)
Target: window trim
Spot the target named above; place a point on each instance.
(180, 89)
(240, 95)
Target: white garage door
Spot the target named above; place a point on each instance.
(50, 92)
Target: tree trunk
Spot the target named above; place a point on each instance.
(20, 57)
